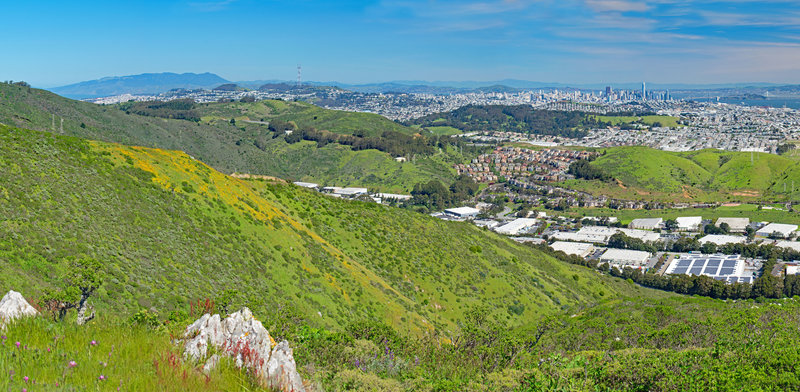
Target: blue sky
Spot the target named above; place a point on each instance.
(49, 43)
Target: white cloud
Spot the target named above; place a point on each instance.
(617, 5)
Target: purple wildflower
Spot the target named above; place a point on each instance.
(101, 378)
(93, 343)
(25, 378)
(18, 344)
(72, 364)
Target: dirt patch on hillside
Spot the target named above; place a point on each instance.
(621, 185)
(246, 176)
(747, 193)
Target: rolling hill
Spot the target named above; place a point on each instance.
(169, 229)
(469, 310)
(246, 145)
(148, 83)
(706, 175)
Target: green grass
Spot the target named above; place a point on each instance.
(705, 175)
(444, 131)
(666, 121)
(128, 358)
(243, 147)
(170, 229)
(304, 115)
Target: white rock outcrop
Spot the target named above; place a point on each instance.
(13, 306)
(244, 339)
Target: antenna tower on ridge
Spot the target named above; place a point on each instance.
(299, 74)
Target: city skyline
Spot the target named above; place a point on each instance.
(577, 41)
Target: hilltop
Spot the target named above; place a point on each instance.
(147, 83)
(236, 136)
(643, 173)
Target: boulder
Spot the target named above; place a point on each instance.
(13, 306)
(243, 338)
(281, 369)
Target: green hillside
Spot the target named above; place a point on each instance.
(170, 229)
(245, 146)
(469, 310)
(706, 175)
(664, 121)
(304, 115)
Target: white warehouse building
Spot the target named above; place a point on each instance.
(581, 249)
(646, 223)
(462, 212)
(689, 223)
(781, 229)
(517, 226)
(735, 225)
(625, 258)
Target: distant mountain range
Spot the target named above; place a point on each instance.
(148, 83)
(154, 83)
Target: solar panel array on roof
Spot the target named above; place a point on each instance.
(719, 267)
(729, 264)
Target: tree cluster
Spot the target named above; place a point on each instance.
(514, 118)
(394, 143)
(784, 148)
(583, 169)
(182, 109)
(435, 195)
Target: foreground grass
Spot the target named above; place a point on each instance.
(669, 344)
(103, 356)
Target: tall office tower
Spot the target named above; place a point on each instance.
(644, 91)
(609, 91)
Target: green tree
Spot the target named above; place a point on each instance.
(82, 279)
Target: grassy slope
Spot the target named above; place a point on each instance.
(706, 175)
(667, 121)
(304, 114)
(230, 148)
(170, 229)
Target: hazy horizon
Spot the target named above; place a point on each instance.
(357, 42)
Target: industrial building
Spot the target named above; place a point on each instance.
(722, 239)
(309, 185)
(780, 229)
(689, 223)
(462, 212)
(735, 225)
(727, 268)
(793, 245)
(394, 196)
(601, 234)
(621, 258)
(517, 226)
(581, 249)
(646, 223)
